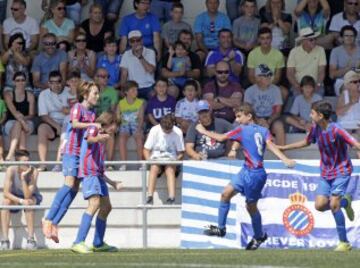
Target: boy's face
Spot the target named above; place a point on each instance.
(176, 14)
(132, 93)
(265, 40)
(308, 90)
(243, 118)
(161, 88)
(249, 9)
(93, 96)
(110, 48)
(190, 93)
(180, 51)
(315, 116)
(74, 82)
(23, 167)
(263, 81)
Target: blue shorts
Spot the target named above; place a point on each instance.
(336, 186)
(94, 185)
(38, 198)
(249, 183)
(70, 165)
(128, 128)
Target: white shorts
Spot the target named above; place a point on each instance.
(9, 125)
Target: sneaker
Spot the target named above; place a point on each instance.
(122, 168)
(5, 245)
(110, 168)
(57, 168)
(170, 201)
(46, 228)
(343, 247)
(81, 248)
(55, 233)
(104, 248)
(150, 200)
(31, 244)
(213, 230)
(349, 210)
(255, 243)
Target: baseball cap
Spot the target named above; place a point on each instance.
(263, 70)
(134, 33)
(351, 76)
(202, 105)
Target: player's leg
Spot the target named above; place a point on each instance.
(29, 216)
(171, 183)
(154, 171)
(5, 224)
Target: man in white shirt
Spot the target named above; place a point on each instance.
(164, 142)
(139, 64)
(21, 23)
(52, 113)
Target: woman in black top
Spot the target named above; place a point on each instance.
(21, 109)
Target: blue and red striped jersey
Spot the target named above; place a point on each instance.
(92, 155)
(74, 135)
(333, 146)
(253, 140)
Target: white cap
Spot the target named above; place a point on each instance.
(134, 33)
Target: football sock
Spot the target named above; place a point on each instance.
(257, 225)
(65, 204)
(84, 228)
(100, 227)
(340, 225)
(344, 203)
(59, 197)
(222, 214)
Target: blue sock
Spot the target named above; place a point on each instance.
(257, 225)
(344, 203)
(340, 225)
(59, 197)
(65, 204)
(100, 227)
(223, 212)
(83, 228)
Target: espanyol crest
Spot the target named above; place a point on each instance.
(297, 218)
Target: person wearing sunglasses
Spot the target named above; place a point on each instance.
(58, 23)
(20, 22)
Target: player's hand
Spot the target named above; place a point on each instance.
(97, 125)
(197, 157)
(200, 128)
(28, 202)
(27, 173)
(118, 185)
(290, 163)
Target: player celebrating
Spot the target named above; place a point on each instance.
(81, 117)
(91, 170)
(335, 165)
(252, 177)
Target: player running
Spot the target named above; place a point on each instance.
(95, 190)
(81, 117)
(335, 165)
(252, 177)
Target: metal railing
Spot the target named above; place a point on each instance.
(144, 207)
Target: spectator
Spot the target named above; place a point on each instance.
(2, 70)
(110, 60)
(130, 111)
(267, 102)
(162, 9)
(21, 106)
(171, 29)
(96, 28)
(272, 57)
(245, 28)
(3, 111)
(82, 59)
(62, 27)
(306, 59)
(111, 9)
(232, 9)
(20, 188)
(139, 64)
(186, 38)
(16, 60)
(144, 22)
(185, 109)
(223, 94)
(348, 106)
(272, 15)
(201, 147)
(161, 104)
(225, 52)
(345, 57)
(50, 59)
(21, 23)
(3, 7)
(165, 142)
(51, 111)
(350, 16)
(300, 120)
(207, 26)
(314, 14)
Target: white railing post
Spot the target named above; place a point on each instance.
(144, 209)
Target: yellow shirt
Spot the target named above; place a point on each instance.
(274, 59)
(130, 112)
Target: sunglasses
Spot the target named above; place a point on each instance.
(55, 81)
(60, 8)
(80, 40)
(355, 82)
(20, 80)
(20, 43)
(49, 44)
(102, 76)
(222, 72)
(352, 3)
(14, 9)
(135, 40)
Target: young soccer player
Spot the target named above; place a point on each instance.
(81, 117)
(335, 166)
(91, 170)
(252, 177)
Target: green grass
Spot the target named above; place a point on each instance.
(182, 258)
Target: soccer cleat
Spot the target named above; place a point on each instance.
(348, 209)
(46, 228)
(5, 245)
(343, 247)
(81, 248)
(255, 243)
(31, 244)
(55, 233)
(213, 230)
(105, 248)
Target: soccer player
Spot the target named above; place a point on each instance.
(335, 165)
(81, 117)
(252, 177)
(95, 190)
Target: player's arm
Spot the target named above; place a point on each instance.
(219, 137)
(235, 146)
(81, 125)
(296, 145)
(275, 150)
(117, 185)
(7, 187)
(348, 138)
(98, 138)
